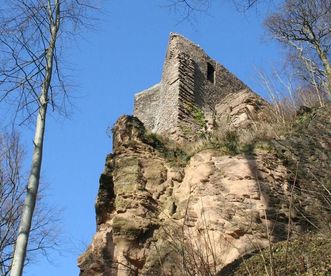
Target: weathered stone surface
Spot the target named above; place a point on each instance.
(146, 103)
(239, 110)
(162, 211)
(192, 94)
(126, 210)
(152, 214)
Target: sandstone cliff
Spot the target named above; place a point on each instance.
(161, 211)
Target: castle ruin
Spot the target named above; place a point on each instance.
(194, 94)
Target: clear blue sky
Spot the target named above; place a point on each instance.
(123, 56)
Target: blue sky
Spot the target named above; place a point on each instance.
(122, 56)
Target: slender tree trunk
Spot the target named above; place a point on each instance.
(32, 191)
(328, 74)
(326, 64)
(33, 184)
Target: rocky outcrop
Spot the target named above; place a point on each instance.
(306, 152)
(157, 215)
(239, 110)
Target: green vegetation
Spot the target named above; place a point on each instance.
(231, 142)
(304, 119)
(168, 149)
(306, 255)
(199, 116)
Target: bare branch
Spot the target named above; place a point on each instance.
(12, 190)
(305, 26)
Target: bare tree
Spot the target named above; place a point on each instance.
(305, 26)
(188, 7)
(12, 191)
(31, 40)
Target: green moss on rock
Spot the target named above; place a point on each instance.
(125, 227)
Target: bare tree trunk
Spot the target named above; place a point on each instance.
(327, 67)
(30, 200)
(309, 65)
(33, 184)
(306, 25)
(326, 64)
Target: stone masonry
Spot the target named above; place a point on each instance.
(192, 86)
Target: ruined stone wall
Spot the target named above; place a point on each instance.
(167, 114)
(145, 105)
(187, 98)
(206, 92)
(192, 85)
(179, 98)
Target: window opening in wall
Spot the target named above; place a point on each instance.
(210, 72)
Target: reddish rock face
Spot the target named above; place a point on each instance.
(163, 211)
(153, 213)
